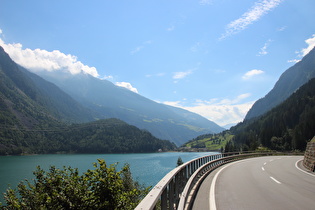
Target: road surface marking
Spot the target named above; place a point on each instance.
(265, 163)
(275, 180)
(262, 168)
(296, 165)
(212, 203)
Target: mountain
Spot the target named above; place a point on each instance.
(60, 104)
(35, 117)
(288, 83)
(288, 126)
(105, 136)
(111, 101)
(38, 95)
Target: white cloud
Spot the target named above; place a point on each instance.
(259, 9)
(171, 28)
(156, 75)
(0, 31)
(182, 74)
(252, 73)
(311, 44)
(205, 2)
(263, 50)
(107, 77)
(127, 85)
(43, 60)
(294, 60)
(172, 103)
(282, 28)
(220, 111)
(139, 48)
(195, 47)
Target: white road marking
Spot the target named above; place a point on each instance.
(296, 166)
(212, 188)
(265, 163)
(262, 168)
(212, 203)
(275, 180)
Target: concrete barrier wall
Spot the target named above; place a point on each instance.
(309, 156)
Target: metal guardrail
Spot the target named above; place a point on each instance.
(178, 188)
(166, 193)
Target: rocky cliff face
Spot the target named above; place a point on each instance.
(309, 156)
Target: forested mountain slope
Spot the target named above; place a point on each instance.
(286, 127)
(35, 117)
(289, 81)
(111, 101)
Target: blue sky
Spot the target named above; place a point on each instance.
(212, 57)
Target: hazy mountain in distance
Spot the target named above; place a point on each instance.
(27, 96)
(111, 101)
(37, 117)
(288, 83)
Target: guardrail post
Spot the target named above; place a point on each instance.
(178, 180)
(164, 199)
(171, 195)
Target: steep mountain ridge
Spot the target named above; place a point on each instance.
(37, 93)
(20, 99)
(287, 126)
(111, 101)
(35, 117)
(288, 83)
(58, 102)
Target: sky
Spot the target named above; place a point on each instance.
(211, 57)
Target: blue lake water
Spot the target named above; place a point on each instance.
(147, 169)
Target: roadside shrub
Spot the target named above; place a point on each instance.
(101, 188)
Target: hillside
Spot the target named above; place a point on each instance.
(35, 117)
(209, 142)
(286, 127)
(111, 101)
(27, 91)
(106, 136)
(22, 104)
(288, 83)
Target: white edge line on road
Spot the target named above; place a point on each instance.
(275, 180)
(212, 203)
(296, 165)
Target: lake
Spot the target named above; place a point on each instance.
(147, 168)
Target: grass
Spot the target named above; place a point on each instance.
(211, 142)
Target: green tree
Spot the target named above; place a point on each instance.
(101, 188)
(179, 161)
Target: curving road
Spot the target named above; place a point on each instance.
(274, 182)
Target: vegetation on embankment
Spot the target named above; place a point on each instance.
(101, 188)
(209, 142)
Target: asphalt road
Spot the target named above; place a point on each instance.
(275, 182)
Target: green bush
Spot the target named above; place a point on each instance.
(101, 188)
